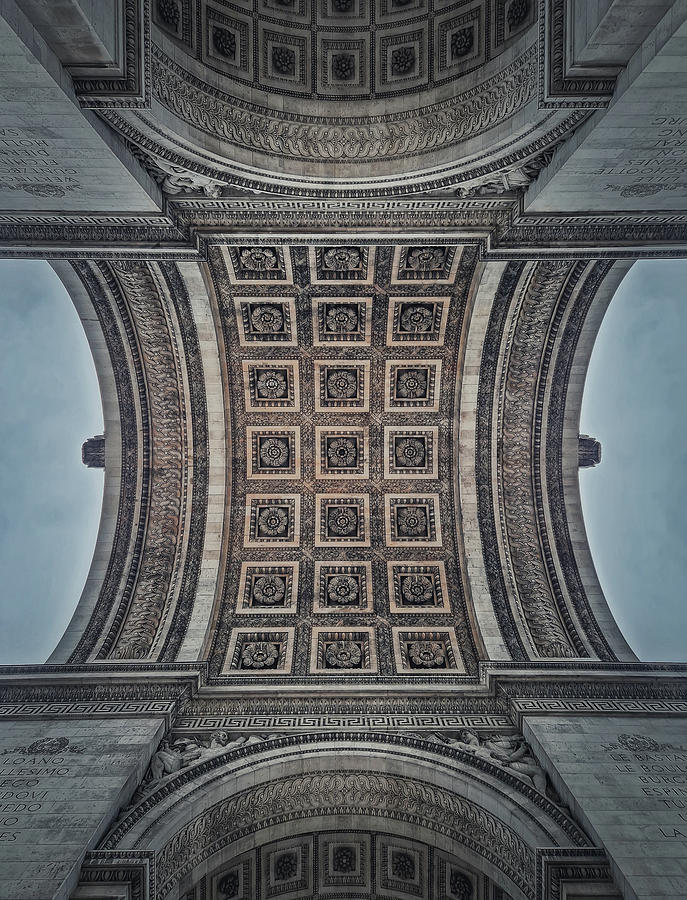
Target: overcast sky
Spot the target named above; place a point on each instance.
(49, 501)
(635, 502)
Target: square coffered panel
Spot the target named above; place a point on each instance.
(266, 321)
(258, 652)
(342, 387)
(436, 264)
(412, 520)
(256, 264)
(341, 321)
(273, 453)
(342, 452)
(342, 520)
(342, 263)
(272, 520)
(417, 321)
(421, 651)
(271, 385)
(412, 385)
(417, 586)
(411, 452)
(268, 588)
(339, 652)
(343, 587)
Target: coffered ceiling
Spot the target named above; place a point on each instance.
(341, 365)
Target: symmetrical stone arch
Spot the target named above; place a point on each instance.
(415, 288)
(524, 335)
(413, 788)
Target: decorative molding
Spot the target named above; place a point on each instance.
(353, 794)
(79, 709)
(131, 86)
(133, 870)
(355, 722)
(319, 139)
(556, 866)
(558, 88)
(136, 636)
(117, 327)
(522, 362)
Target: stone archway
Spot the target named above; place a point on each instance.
(447, 810)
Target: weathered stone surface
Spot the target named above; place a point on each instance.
(626, 780)
(61, 784)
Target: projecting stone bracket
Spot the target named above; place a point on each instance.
(93, 452)
(588, 452)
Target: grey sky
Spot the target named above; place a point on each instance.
(634, 502)
(50, 503)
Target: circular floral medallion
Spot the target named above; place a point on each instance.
(341, 318)
(517, 12)
(342, 259)
(343, 589)
(461, 886)
(48, 746)
(267, 319)
(417, 318)
(269, 589)
(461, 42)
(342, 520)
(426, 259)
(285, 866)
(273, 521)
(402, 60)
(410, 452)
(344, 859)
(258, 259)
(417, 589)
(411, 521)
(259, 655)
(342, 384)
(274, 452)
(343, 655)
(284, 60)
(342, 451)
(229, 885)
(343, 66)
(411, 384)
(168, 12)
(271, 384)
(402, 865)
(224, 42)
(427, 654)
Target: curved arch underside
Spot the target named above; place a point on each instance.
(361, 449)
(341, 264)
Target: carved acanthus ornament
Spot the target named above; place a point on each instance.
(313, 139)
(346, 793)
(155, 576)
(526, 566)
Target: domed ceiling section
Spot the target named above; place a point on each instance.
(326, 95)
(314, 52)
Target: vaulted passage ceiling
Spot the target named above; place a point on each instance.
(342, 49)
(342, 366)
(342, 463)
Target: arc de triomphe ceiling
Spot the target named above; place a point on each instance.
(341, 265)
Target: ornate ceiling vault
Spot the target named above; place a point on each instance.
(341, 265)
(310, 450)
